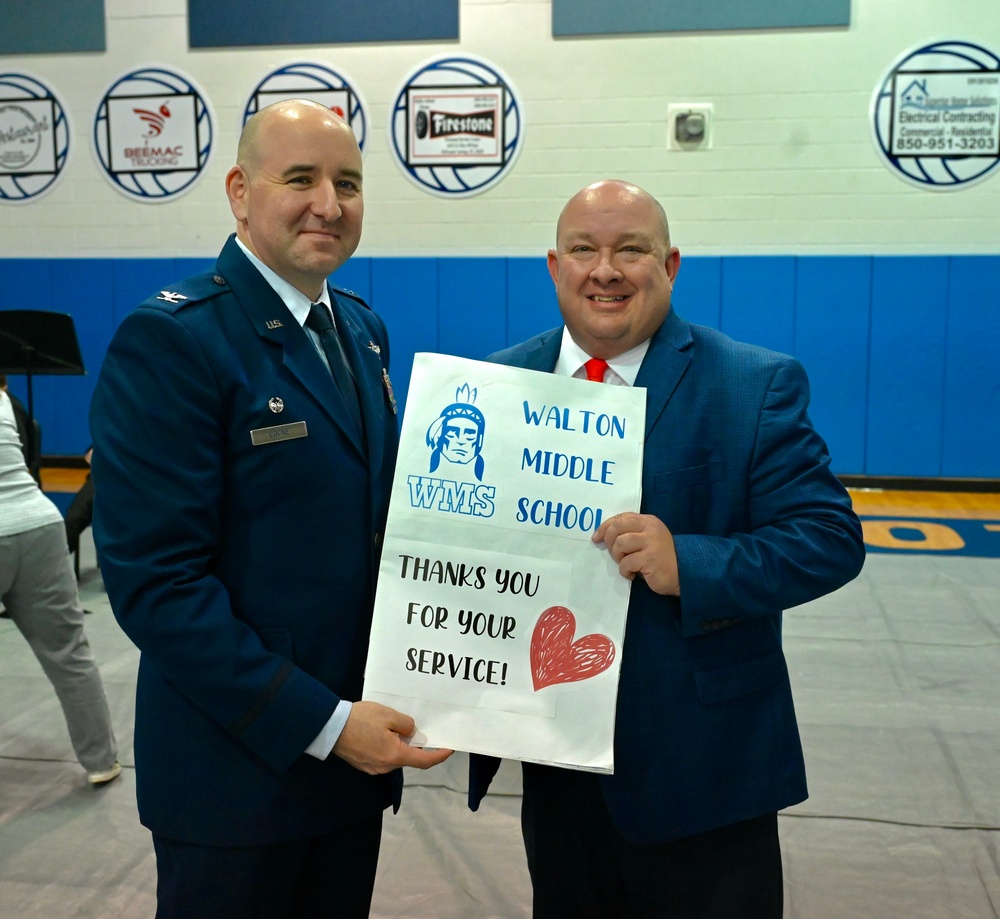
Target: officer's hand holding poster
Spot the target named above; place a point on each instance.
(498, 621)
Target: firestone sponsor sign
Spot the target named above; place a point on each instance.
(456, 126)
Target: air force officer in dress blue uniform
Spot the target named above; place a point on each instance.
(741, 518)
(240, 498)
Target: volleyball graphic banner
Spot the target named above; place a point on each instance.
(936, 116)
(318, 83)
(153, 135)
(456, 126)
(34, 138)
(498, 622)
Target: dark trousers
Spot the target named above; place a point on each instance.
(582, 868)
(326, 877)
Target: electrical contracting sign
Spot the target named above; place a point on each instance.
(936, 115)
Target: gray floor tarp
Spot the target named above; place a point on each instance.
(897, 683)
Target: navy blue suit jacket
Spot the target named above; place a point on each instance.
(243, 572)
(705, 730)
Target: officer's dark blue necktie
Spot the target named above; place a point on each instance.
(321, 322)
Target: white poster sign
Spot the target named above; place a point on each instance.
(498, 622)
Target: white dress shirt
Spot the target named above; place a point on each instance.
(621, 371)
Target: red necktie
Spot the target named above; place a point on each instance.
(595, 368)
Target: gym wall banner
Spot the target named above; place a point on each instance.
(153, 135)
(317, 83)
(936, 115)
(34, 138)
(456, 126)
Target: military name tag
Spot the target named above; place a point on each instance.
(278, 433)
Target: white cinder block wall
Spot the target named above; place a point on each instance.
(793, 168)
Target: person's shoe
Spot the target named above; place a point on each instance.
(100, 778)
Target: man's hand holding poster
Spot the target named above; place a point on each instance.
(498, 621)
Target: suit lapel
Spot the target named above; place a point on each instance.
(272, 321)
(663, 366)
(545, 352)
(367, 368)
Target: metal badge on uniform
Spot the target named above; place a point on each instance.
(278, 433)
(171, 297)
(276, 405)
(374, 347)
(387, 383)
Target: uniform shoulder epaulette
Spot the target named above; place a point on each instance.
(346, 292)
(191, 290)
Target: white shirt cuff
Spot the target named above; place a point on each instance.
(323, 744)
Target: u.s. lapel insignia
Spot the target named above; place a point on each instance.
(372, 346)
(276, 405)
(273, 323)
(387, 383)
(171, 297)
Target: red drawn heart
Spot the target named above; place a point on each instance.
(556, 658)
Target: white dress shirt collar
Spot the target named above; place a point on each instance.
(622, 370)
(297, 302)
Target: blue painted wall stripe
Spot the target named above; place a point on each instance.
(970, 440)
(698, 290)
(832, 320)
(758, 301)
(906, 392)
(472, 300)
(405, 294)
(903, 353)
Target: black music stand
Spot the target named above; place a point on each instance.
(38, 342)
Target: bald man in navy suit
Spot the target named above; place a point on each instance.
(238, 517)
(741, 518)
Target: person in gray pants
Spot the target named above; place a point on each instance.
(38, 589)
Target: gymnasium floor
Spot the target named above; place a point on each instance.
(897, 683)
